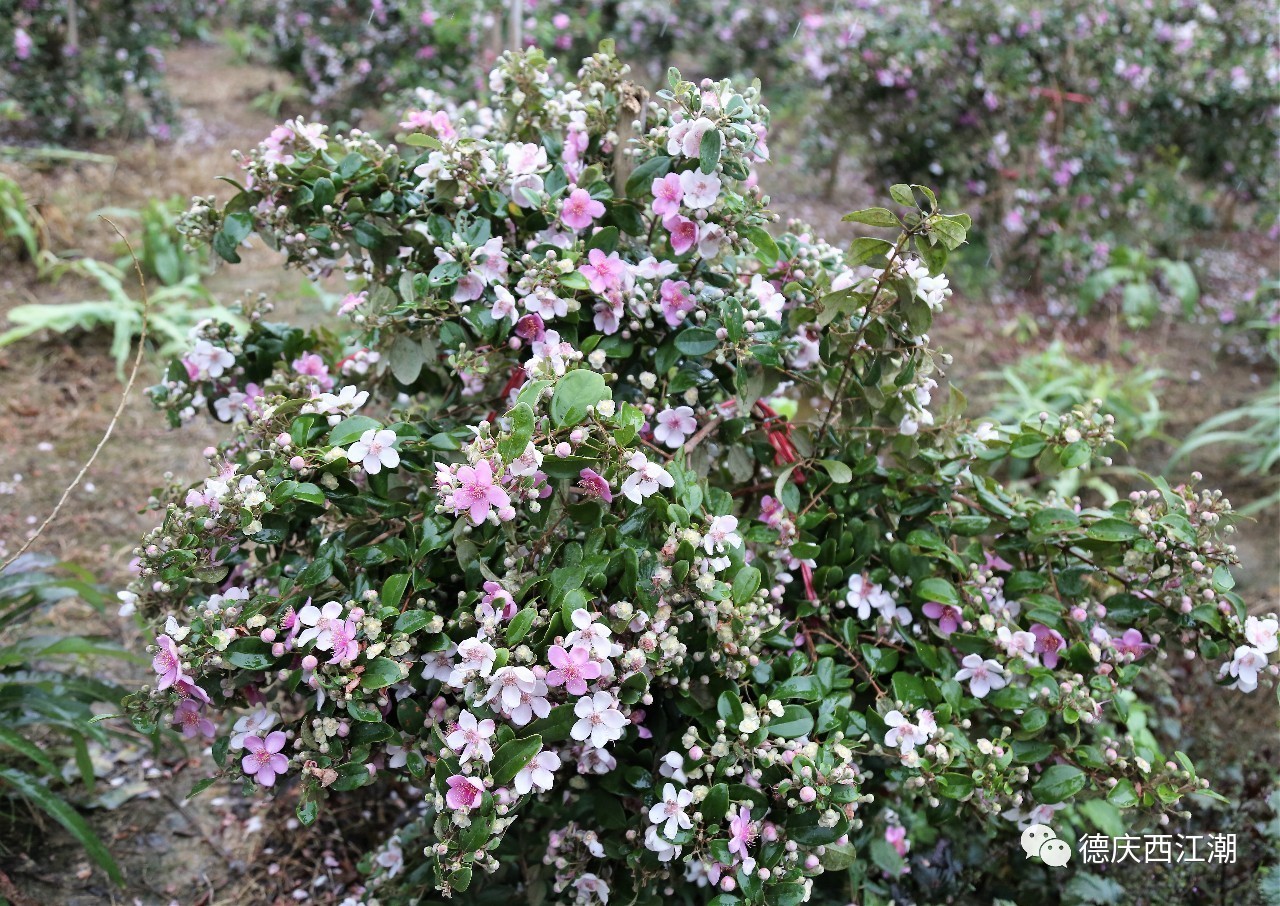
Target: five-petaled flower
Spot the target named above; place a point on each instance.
(263, 759)
(580, 209)
(669, 811)
(374, 450)
(599, 720)
(983, 675)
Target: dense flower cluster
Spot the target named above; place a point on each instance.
(625, 526)
(74, 70)
(1076, 127)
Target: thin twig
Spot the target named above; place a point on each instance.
(11, 892)
(115, 418)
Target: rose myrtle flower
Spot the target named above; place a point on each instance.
(580, 209)
(464, 792)
(1048, 643)
(572, 669)
(166, 663)
(593, 485)
(948, 617)
(263, 760)
(983, 675)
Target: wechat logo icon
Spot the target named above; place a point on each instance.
(1040, 840)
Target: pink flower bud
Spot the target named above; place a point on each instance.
(808, 794)
(297, 463)
(268, 634)
(309, 662)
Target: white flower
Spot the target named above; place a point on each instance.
(673, 766)
(721, 533)
(983, 675)
(320, 623)
(1017, 643)
(477, 657)
(654, 842)
(674, 425)
(470, 738)
(669, 811)
(599, 720)
(509, 684)
(539, 772)
(700, 189)
(375, 449)
(255, 723)
(344, 402)
(1245, 666)
(210, 361)
(906, 735)
(1262, 632)
(128, 603)
(590, 886)
(645, 480)
(588, 633)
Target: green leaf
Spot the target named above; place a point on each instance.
(640, 182)
(1113, 530)
(349, 430)
(406, 358)
(514, 444)
(745, 584)
(200, 786)
(393, 592)
(795, 721)
(937, 589)
(574, 392)
(864, 249)
(837, 471)
(520, 625)
(511, 758)
(709, 150)
(902, 194)
(909, 688)
(697, 341)
(876, 217)
(1123, 795)
(249, 654)
(1058, 783)
(716, 805)
(30, 788)
(766, 248)
(411, 621)
(380, 673)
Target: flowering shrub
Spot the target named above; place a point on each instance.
(86, 69)
(1075, 126)
(624, 527)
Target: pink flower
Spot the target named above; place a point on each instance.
(897, 838)
(1048, 643)
(684, 233)
(573, 669)
(593, 484)
(604, 273)
(742, 833)
(312, 365)
(1131, 644)
(188, 715)
(495, 594)
(345, 646)
(676, 302)
(948, 617)
(580, 209)
(463, 793)
(263, 760)
(166, 663)
(667, 194)
(477, 493)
